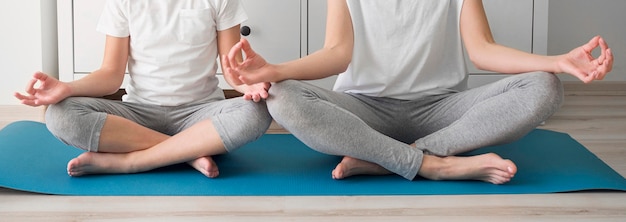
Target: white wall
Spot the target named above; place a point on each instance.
(573, 22)
(27, 44)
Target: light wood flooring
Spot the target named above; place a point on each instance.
(596, 121)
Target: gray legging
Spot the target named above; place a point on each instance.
(78, 121)
(379, 130)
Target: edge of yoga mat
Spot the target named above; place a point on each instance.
(33, 160)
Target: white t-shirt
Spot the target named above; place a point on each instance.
(405, 49)
(173, 46)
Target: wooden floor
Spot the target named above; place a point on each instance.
(598, 122)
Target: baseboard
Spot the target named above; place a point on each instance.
(598, 88)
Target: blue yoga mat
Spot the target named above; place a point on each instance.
(32, 160)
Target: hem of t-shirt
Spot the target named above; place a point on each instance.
(238, 19)
(113, 33)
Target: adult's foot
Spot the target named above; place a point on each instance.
(486, 167)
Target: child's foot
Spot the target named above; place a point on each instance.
(351, 167)
(206, 166)
(486, 167)
(101, 163)
(96, 163)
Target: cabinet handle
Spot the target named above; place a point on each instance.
(245, 31)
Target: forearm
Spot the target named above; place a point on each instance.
(97, 84)
(501, 59)
(323, 63)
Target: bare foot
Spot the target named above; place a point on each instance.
(351, 167)
(486, 167)
(96, 163)
(206, 166)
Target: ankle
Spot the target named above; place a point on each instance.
(434, 167)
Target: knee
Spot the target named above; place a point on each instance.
(287, 98)
(550, 88)
(58, 116)
(262, 118)
(247, 122)
(256, 117)
(281, 91)
(69, 119)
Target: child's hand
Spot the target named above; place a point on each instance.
(43, 90)
(256, 92)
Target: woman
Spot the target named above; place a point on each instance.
(399, 103)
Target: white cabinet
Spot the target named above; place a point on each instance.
(275, 32)
(274, 28)
(280, 30)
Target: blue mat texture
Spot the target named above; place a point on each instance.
(33, 160)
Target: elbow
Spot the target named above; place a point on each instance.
(113, 91)
(478, 61)
(341, 59)
(342, 67)
(115, 84)
(482, 54)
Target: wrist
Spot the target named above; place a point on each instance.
(278, 72)
(556, 63)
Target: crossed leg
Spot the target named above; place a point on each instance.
(338, 124)
(127, 147)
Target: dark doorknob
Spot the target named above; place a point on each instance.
(245, 31)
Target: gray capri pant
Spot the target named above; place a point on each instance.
(78, 121)
(379, 130)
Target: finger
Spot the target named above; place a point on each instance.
(23, 97)
(608, 62)
(264, 95)
(30, 86)
(256, 98)
(40, 76)
(232, 55)
(232, 75)
(228, 71)
(603, 44)
(245, 64)
(603, 48)
(601, 73)
(247, 48)
(604, 69)
(29, 103)
(581, 76)
(247, 97)
(44, 79)
(26, 100)
(226, 66)
(592, 44)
